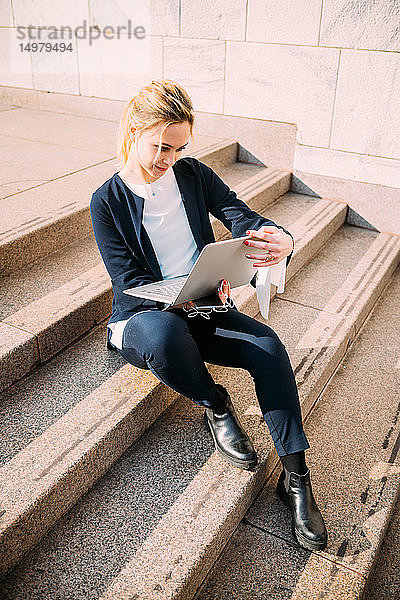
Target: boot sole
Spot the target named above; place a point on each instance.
(241, 464)
(303, 541)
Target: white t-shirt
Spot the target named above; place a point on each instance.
(166, 223)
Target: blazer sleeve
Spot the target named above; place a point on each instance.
(233, 212)
(121, 264)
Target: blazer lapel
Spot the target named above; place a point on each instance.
(138, 237)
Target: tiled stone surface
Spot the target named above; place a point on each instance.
(313, 230)
(60, 206)
(384, 581)
(47, 162)
(158, 17)
(71, 132)
(258, 565)
(313, 353)
(271, 92)
(352, 166)
(218, 154)
(353, 434)
(263, 188)
(360, 24)
(205, 515)
(24, 286)
(272, 143)
(289, 208)
(56, 71)
(215, 20)
(284, 22)
(237, 175)
(6, 18)
(27, 246)
(68, 312)
(19, 354)
(32, 405)
(44, 13)
(18, 96)
(336, 261)
(45, 479)
(199, 66)
(367, 122)
(105, 67)
(99, 535)
(83, 106)
(378, 204)
(15, 66)
(165, 17)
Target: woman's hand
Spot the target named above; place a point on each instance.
(278, 243)
(186, 305)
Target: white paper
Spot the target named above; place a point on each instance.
(275, 274)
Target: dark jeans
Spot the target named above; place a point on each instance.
(174, 347)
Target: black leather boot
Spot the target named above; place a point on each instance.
(231, 442)
(307, 522)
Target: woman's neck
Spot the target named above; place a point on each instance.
(132, 176)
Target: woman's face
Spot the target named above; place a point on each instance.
(144, 158)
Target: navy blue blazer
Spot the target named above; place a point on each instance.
(116, 213)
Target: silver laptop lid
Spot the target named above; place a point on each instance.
(220, 260)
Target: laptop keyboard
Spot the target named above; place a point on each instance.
(168, 289)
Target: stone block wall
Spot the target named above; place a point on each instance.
(332, 67)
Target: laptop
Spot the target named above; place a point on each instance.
(219, 260)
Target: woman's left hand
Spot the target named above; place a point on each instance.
(278, 243)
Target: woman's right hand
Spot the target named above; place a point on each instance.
(185, 304)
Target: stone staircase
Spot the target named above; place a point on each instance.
(110, 487)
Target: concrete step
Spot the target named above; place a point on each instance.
(52, 145)
(384, 581)
(113, 386)
(65, 460)
(49, 207)
(49, 304)
(214, 503)
(354, 461)
(39, 146)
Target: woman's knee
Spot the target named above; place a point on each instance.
(155, 333)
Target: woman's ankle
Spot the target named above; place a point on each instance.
(295, 462)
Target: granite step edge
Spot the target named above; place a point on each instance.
(24, 459)
(54, 325)
(46, 233)
(209, 511)
(356, 538)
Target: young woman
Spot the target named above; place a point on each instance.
(151, 220)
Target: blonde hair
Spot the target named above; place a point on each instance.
(162, 101)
